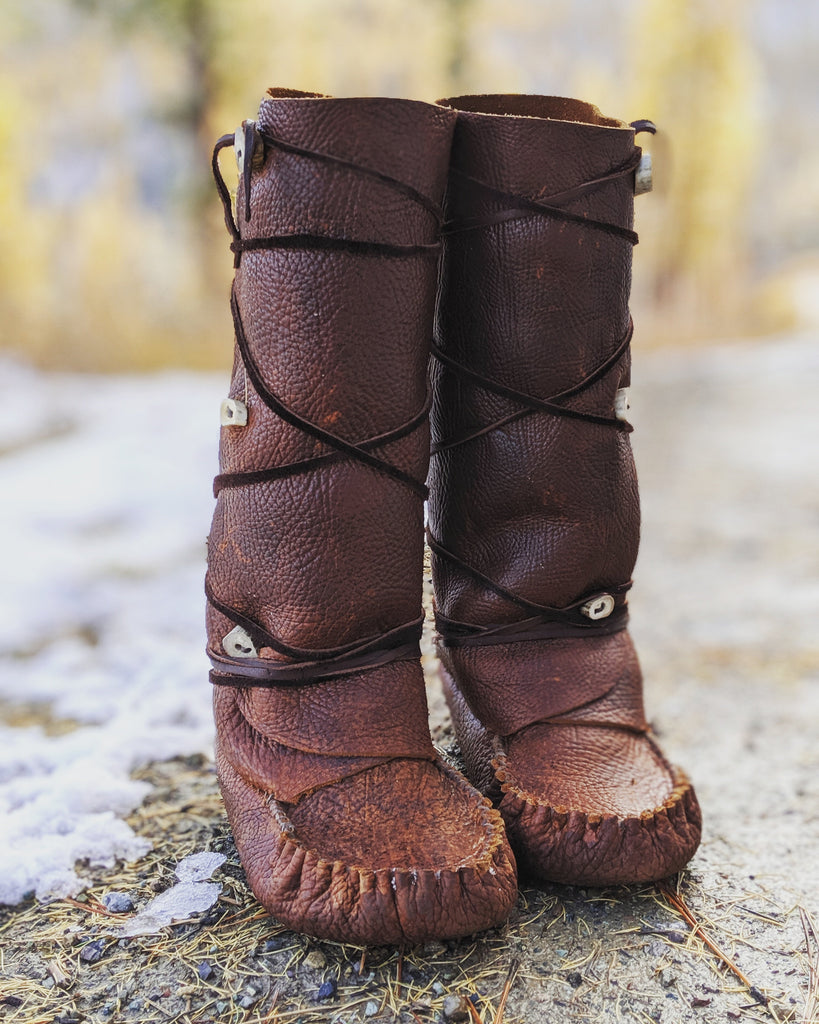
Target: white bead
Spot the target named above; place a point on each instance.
(232, 413)
(239, 645)
(599, 607)
(239, 148)
(643, 177)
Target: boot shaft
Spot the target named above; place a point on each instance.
(317, 535)
(533, 486)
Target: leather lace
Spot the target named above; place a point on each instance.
(311, 665)
(543, 622)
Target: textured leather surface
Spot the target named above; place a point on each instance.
(546, 506)
(347, 824)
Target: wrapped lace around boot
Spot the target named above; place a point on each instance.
(347, 823)
(534, 510)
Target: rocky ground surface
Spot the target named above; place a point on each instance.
(724, 612)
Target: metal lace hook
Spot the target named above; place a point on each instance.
(248, 155)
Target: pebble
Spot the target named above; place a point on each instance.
(204, 970)
(272, 945)
(371, 1009)
(249, 997)
(667, 979)
(92, 952)
(575, 979)
(456, 1008)
(118, 902)
(327, 990)
(316, 959)
(438, 988)
(135, 1004)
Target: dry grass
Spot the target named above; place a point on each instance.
(566, 954)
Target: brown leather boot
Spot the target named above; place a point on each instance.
(534, 513)
(348, 824)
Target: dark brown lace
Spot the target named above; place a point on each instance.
(544, 622)
(311, 666)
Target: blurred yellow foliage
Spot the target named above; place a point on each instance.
(112, 249)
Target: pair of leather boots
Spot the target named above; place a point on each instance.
(350, 274)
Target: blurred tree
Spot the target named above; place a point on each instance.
(190, 28)
(459, 15)
(695, 75)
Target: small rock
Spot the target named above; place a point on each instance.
(274, 944)
(135, 1004)
(13, 1001)
(667, 979)
(456, 1008)
(204, 970)
(438, 988)
(249, 996)
(221, 1006)
(327, 990)
(698, 1001)
(316, 959)
(92, 951)
(575, 979)
(371, 1009)
(118, 902)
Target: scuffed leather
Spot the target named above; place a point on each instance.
(348, 825)
(553, 730)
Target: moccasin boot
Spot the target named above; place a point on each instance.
(347, 823)
(534, 511)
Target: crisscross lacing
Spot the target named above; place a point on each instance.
(543, 622)
(309, 666)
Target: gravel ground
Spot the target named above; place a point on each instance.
(724, 612)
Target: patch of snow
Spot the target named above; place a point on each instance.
(101, 613)
(192, 894)
(198, 867)
(179, 903)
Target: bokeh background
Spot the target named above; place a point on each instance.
(114, 266)
(113, 254)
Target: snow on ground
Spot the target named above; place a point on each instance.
(106, 503)
(106, 506)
